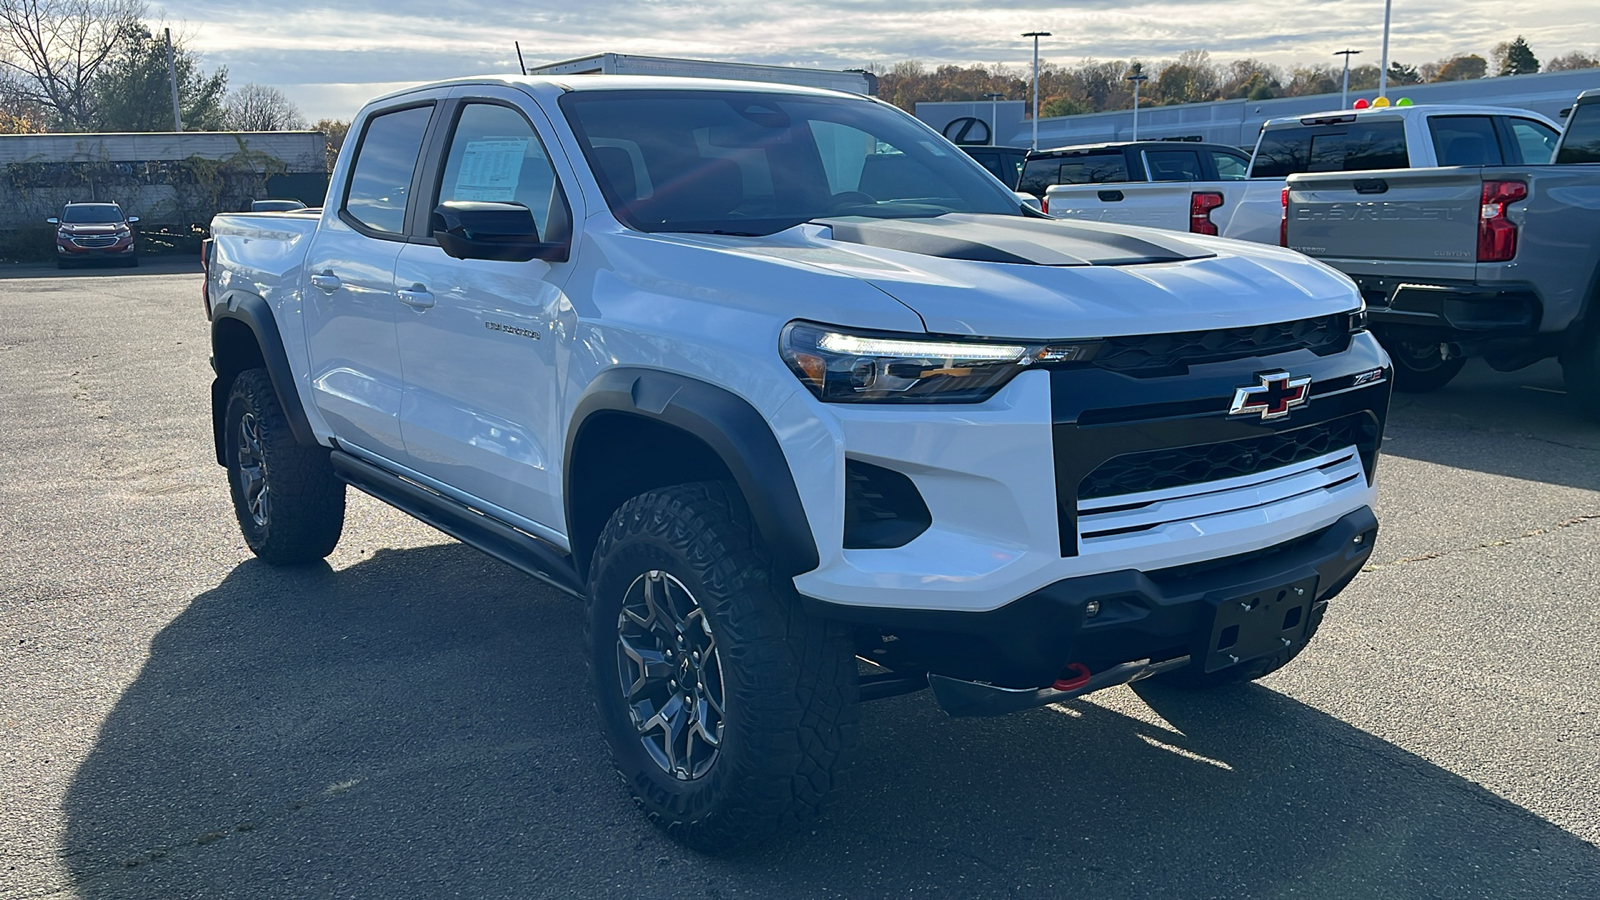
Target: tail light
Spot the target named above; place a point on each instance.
(1497, 235)
(1044, 204)
(1201, 203)
(1283, 223)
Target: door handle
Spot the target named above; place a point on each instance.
(416, 297)
(326, 281)
(1110, 196)
(1370, 186)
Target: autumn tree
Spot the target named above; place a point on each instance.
(1573, 60)
(52, 52)
(1462, 68)
(256, 107)
(336, 130)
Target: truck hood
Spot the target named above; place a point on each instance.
(1012, 277)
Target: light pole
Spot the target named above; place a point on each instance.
(994, 110)
(1383, 67)
(1036, 35)
(1344, 93)
(1137, 78)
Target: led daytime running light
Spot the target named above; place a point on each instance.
(855, 345)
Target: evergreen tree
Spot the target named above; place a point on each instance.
(133, 93)
(1519, 59)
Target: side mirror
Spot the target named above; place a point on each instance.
(132, 219)
(52, 221)
(1029, 200)
(481, 229)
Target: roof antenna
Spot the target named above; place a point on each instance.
(520, 63)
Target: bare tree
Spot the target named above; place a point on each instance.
(256, 107)
(51, 50)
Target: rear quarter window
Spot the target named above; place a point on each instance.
(1465, 141)
(1354, 147)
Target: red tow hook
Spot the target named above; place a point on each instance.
(1080, 677)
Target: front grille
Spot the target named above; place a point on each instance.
(1153, 470)
(1171, 354)
(95, 242)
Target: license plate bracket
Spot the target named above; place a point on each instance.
(1259, 623)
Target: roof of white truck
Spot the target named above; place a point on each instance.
(1405, 112)
(622, 83)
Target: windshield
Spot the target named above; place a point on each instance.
(730, 162)
(92, 214)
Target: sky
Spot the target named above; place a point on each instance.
(331, 56)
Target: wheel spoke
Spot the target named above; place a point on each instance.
(652, 665)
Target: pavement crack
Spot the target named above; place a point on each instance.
(1573, 522)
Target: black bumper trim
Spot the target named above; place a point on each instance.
(1143, 615)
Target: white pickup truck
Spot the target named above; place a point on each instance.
(1203, 188)
(777, 381)
(1159, 184)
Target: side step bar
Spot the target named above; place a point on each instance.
(504, 542)
(970, 698)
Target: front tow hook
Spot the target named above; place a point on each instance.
(971, 698)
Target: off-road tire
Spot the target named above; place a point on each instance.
(789, 679)
(1195, 676)
(1417, 367)
(304, 510)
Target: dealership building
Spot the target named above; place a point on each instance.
(1237, 121)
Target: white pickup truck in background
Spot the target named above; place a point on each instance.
(1206, 189)
(1158, 184)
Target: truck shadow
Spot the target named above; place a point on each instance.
(175, 264)
(417, 725)
(1518, 424)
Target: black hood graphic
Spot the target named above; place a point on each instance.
(1013, 239)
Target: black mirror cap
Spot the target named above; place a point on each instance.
(483, 229)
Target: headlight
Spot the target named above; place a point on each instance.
(853, 367)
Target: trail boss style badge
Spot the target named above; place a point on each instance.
(1277, 393)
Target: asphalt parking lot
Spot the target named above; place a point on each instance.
(410, 720)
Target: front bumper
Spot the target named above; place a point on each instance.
(1158, 615)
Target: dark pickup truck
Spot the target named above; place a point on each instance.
(1496, 261)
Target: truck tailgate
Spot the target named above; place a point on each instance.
(1414, 215)
(1157, 204)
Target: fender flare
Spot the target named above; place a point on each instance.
(255, 313)
(735, 432)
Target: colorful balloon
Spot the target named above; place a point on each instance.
(1403, 101)
(1381, 102)
(1362, 103)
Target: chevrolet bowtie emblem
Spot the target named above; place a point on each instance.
(1277, 393)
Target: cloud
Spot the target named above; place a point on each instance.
(321, 53)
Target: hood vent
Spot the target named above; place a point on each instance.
(1014, 239)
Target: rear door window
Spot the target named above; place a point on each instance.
(1100, 167)
(1582, 141)
(1173, 165)
(1230, 166)
(1354, 147)
(386, 160)
(1465, 141)
(1534, 141)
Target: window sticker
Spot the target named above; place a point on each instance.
(491, 169)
